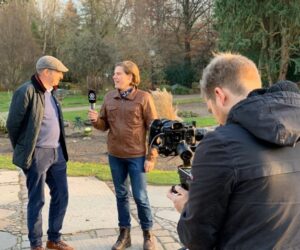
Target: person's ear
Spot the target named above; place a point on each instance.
(47, 72)
(130, 77)
(220, 95)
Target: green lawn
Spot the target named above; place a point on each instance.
(78, 100)
(187, 101)
(5, 98)
(5, 162)
(70, 115)
(102, 171)
(202, 121)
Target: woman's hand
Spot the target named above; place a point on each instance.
(93, 115)
(148, 165)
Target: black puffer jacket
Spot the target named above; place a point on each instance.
(246, 188)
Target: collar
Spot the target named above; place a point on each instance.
(131, 96)
(38, 83)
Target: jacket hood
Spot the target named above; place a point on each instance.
(271, 114)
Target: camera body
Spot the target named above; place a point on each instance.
(172, 138)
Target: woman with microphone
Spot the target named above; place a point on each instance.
(127, 113)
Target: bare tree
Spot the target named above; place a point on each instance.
(104, 16)
(17, 47)
(88, 48)
(141, 36)
(161, 33)
(191, 18)
(49, 11)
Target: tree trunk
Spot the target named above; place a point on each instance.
(45, 43)
(285, 57)
(187, 47)
(187, 34)
(271, 53)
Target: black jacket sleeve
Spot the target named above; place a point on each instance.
(17, 114)
(205, 211)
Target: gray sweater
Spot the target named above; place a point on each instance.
(49, 132)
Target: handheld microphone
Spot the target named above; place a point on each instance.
(92, 98)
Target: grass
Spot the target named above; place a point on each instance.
(187, 101)
(70, 115)
(78, 100)
(202, 121)
(102, 171)
(6, 163)
(70, 101)
(5, 98)
(157, 177)
(74, 101)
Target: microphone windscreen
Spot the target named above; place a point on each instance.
(92, 96)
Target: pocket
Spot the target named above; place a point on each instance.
(134, 115)
(60, 155)
(112, 112)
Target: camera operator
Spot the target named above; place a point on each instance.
(245, 192)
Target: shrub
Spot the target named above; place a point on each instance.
(196, 87)
(78, 123)
(65, 85)
(178, 89)
(60, 94)
(3, 119)
(166, 87)
(179, 73)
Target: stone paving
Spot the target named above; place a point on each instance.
(91, 220)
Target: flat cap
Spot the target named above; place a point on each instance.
(50, 62)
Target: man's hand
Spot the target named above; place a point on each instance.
(148, 165)
(180, 198)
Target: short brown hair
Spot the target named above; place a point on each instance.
(234, 71)
(131, 68)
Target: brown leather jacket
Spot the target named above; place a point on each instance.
(127, 121)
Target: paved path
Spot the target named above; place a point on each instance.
(91, 220)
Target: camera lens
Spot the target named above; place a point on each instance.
(183, 151)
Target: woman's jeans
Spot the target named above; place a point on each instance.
(134, 167)
(48, 166)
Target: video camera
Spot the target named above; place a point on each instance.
(172, 138)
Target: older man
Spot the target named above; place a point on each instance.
(36, 130)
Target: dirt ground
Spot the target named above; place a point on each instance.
(93, 148)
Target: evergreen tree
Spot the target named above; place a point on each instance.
(266, 31)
